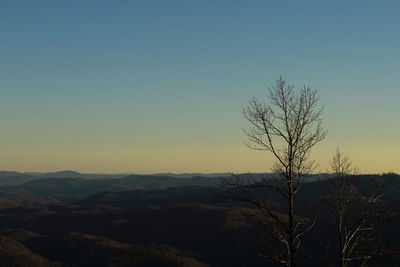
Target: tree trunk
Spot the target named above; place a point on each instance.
(292, 249)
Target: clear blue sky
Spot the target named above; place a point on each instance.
(158, 86)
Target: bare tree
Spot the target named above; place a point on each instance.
(289, 126)
(354, 212)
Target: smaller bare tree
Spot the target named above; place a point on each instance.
(354, 212)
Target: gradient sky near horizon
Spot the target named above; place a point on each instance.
(159, 86)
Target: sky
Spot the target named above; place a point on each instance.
(159, 86)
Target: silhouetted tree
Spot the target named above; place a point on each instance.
(289, 126)
(354, 212)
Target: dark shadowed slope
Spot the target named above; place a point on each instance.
(14, 254)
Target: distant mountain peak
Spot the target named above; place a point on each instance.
(69, 172)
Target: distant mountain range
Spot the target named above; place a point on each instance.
(69, 186)
(8, 178)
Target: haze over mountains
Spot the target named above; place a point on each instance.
(66, 186)
(15, 178)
